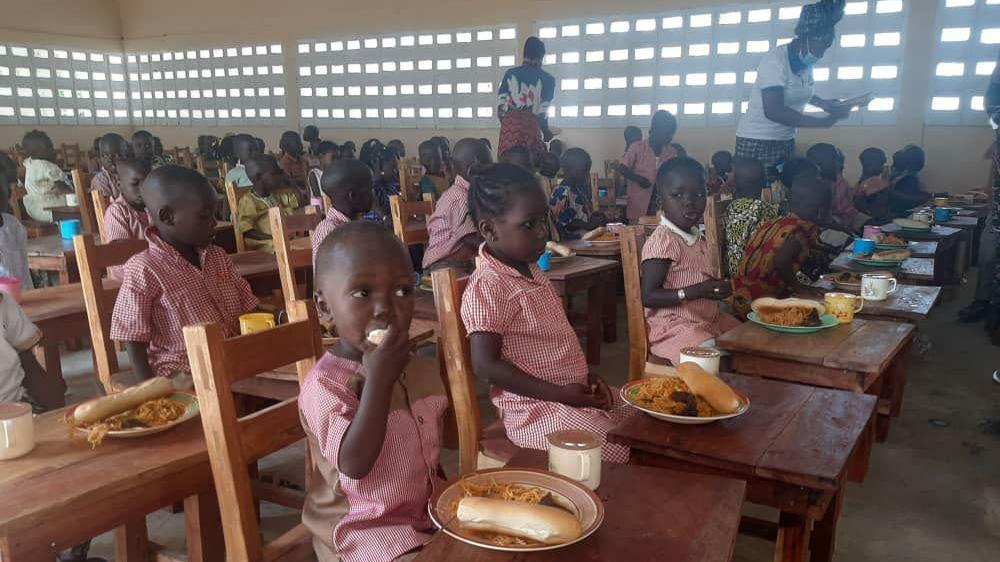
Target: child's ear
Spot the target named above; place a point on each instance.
(166, 215)
(322, 309)
(487, 229)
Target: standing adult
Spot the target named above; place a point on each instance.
(642, 161)
(523, 102)
(783, 87)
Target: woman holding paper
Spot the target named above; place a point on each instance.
(783, 87)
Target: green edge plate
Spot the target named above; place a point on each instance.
(878, 263)
(892, 246)
(911, 229)
(828, 321)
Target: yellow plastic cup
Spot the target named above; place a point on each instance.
(256, 322)
(940, 201)
(843, 305)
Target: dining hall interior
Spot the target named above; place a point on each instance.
(471, 281)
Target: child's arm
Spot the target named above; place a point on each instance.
(628, 174)
(138, 355)
(488, 363)
(254, 234)
(654, 295)
(48, 391)
(784, 262)
(362, 443)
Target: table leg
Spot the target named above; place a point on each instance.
(857, 467)
(824, 538)
(793, 538)
(610, 310)
(595, 295)
(896, 379)
(131, 541)
(205, 542)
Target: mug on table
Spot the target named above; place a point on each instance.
(864, 247)
(843, 306)
(705, 357)
(942, 214)
(877, 286)
(871, 231)
(576, 454)
(17, 430)
(256, 322)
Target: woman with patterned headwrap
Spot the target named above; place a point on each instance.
(523, 103)
(783, 87)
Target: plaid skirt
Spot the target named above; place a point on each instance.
(520, 128)
(769, 152)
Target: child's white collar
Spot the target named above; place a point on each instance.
(689, 237)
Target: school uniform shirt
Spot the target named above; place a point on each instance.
(14, 251)
(640, 158)
(294, 168)
(122, 221)
(577, 207)
(40, 179)
(330, 222)
(238, 175)
(448, 225)
(388, 506)
(252, 214)
(528, 315)
(161, 293)
(19, 335)
(107, 184)
(843, 209)
(691, 322)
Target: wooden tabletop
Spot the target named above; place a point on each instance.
(650, 515)
(50, 303)
(937, 232)
(865, 346)
(965, 223)
(584, 248)
(254, 263)
(793, 434)
(53, 245)
(918, 270)
(917, 249)
(910, 303)
(579, 266)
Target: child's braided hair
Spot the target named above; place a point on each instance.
(492, 186)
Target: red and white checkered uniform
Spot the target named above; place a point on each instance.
(332, 220)
(161, 293)
(388, 507)
(121, 221)
(107, 184)
(690, 323)
(448, 225)
(537, 339)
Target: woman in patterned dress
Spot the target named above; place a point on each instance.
(523, 103)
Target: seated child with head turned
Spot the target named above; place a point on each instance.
(679, 292)
(292, 159)
(372, 423)
(180, 280)
(722, 167)
(113, 148)
(252, 219)
(454, 240)
(871, 195)
(126, 216)
(433, 181)
(571, 202)
(907, 190)
(326, 153)
(521, 342)
(44, 182)
(830, 161)
(13, 235)
(244, 147)
(746, 211)
(348, 184)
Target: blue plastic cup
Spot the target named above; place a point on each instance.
(942, 214)
(545, 261)
(69, 228)
(863, 247)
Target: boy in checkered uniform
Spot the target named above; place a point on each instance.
(180, 280)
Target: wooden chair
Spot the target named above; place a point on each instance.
(477, 447)
(211, 169)
(410, 172)
(72, 156)
(81, 186)
(235, 443)
(632, 238)
(233, 196)
(93, 260)
(715, 234)
(284, 228)
(403, 213)
(100, 207)
(33, 227)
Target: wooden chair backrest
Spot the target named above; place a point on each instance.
(171, 153)
(71, 155)
(715, 234)
(233, 442)
(410, 172)
(454, 343)
(327, 203)
(285, 228)
(632, 238)
(403, 213)
(93, 260)
(81, 186)
(233, 196)
(100, 207)
(209, 168)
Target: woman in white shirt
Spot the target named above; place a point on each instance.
(44, 181)
(783, 87)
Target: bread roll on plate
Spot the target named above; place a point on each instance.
(557, 248)
(788, 312)
(532, 521)
(891, 255)
(106, 406)
(765, 302)
(595, 233)
(710, 387)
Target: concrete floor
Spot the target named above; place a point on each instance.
(932, 493)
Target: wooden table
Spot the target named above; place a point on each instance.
(795, 447)
(949, 259)
(870, 356)
(65, 212)
(584, 248)
(910, 303)
(64, 493)
(913, 270)
(650, 515)
(260, 269)
(917, 249)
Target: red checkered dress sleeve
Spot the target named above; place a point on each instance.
(486, 307)
(116, 224)
(661, 245)
(328, 408)
(132, 318)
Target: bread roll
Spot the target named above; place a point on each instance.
(910, 223)
(595, 233)
(891, 255)
(557, 248)
(540, 523)
(106, 406)
(783, 303)
(710, 387)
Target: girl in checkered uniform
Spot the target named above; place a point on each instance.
(520, 339)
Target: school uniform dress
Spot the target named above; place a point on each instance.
(330, 222)
(447, 226)
(640, 158)
(121, 222)
(161, 293)
(14, 251)
(107, 184)
(252, 213)
(40, 179)
(388, 506)
(692, 322)
(19, 335)
(537, 339)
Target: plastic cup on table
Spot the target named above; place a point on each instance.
(863, 247)
(545, 261)
(69, 228)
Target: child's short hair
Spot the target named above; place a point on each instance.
(343, 175)
(259, 163)
(36, 143)
(8, 169)
(349, 235)
(910, 158)
(534, 49)
(795, 168)
(427, 146)
(141, 133)
(680, 166)
(575, 157)
(491, 190)
(310, 133)
(111, 141)
(139, 165)
(287, 138)
(872, 155)
(663, 119)
(632, 134)
(326, 147)
(722, 157)
(166, 184)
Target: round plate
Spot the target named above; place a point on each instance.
(629, 389)
(557, 258)
(570, 494)
(827, 320)
(832, 278)
(603, 243)
(878, 263)
(892, 246)
(186, 397)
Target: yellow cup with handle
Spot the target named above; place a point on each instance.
(256, 322)
(843, 305)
